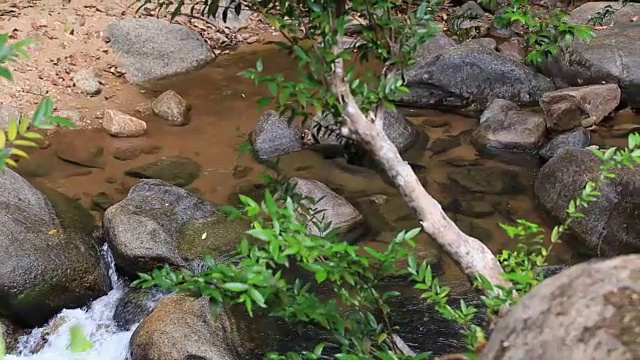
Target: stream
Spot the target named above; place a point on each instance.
(223, 111)
(96, 320)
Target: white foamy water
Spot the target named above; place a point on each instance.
(109, 343)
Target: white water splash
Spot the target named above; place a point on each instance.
(109, 342)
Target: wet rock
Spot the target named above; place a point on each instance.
(597, 302)
(176, 170)
(505, 128)
(468, 78)
(611, 225)
(488, 180)
(512, 51)
(273, 136)
(49, 259)
(397, 128)
(159, 223)
(609, 58)
(335, 209)
(442, 145)
(11, 334)
(147, 47)
(577, 139)
(8, 112)
(134, 305)
(569, 108)
(101, 201)
(622, 14)
(184, 328)
(171, 107)
(88, 155)
(119, 124)
(87, 81)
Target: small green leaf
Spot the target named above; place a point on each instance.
(235, 286)
(257, 297)
(79, 342)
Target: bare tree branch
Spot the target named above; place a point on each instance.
(473, 257)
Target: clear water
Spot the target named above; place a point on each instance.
(109, 343)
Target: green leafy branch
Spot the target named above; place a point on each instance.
(17, 132)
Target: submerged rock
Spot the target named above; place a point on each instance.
(343, 216)
(89, 155)
(49, 260)
(488, 180)
(159, 223)
(596, 302)
(273, 136)
(611, 225)
(176, 170)
(569, 108)
(468, 78)
(577, 139)
(148, 48)
(171, 107)
(505, 128)
(611, 57)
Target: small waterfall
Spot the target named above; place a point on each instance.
(51, 341)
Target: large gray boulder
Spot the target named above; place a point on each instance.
(468, 78)
(589, 311)
(611, 225)
(48, 261)
(613, 57)
(152, 49)
(159, 223)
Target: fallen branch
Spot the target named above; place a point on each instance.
(473, 257)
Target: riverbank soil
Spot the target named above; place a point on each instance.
(68, 37)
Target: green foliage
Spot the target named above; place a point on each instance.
(545, 32)
(17, 133)
(357, 316)
(79, 341)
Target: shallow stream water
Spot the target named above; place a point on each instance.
(223, 111)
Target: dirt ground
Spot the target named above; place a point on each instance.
(68, 37)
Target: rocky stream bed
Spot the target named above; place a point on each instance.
(492, 139)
